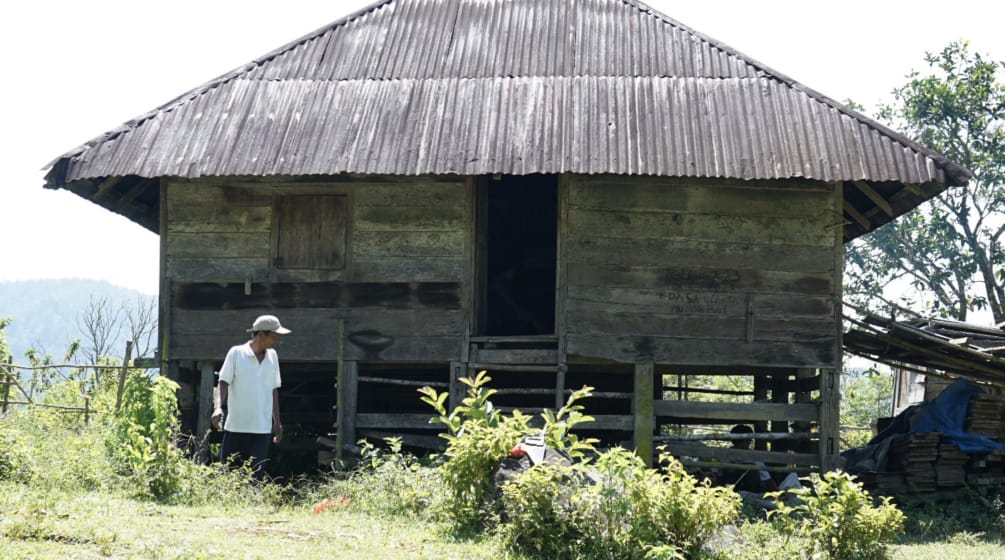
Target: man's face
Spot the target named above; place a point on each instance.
(269, 339)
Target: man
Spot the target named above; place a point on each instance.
(249, 391)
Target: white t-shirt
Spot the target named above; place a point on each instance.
(249, 396)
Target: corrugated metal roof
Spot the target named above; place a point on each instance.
(512, 87)
(747, 128)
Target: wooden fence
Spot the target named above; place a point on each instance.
(12, 392)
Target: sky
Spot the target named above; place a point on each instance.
(75, 69)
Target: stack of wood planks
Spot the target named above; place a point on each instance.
(925, 462)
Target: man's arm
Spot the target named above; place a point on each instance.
(222, 390)
(277, 425)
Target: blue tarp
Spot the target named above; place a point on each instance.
(948, 414)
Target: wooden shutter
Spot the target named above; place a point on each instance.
(311, 232)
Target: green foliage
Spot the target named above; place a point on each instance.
(979, 510)
(384, 482)
(614, 507)
(143, 441)
(839, 520)
(950, 249)
(478, 439)
(865, 396)
(4, 347)
(13, 459)
(606, 505)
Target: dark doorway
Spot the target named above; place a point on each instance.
(522, 228)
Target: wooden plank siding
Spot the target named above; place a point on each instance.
(400, 291)
(700, 272)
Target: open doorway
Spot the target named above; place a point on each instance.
(521, 228)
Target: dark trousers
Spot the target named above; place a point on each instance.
(239, 448)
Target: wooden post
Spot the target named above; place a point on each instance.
(830, 395)
(642, 408)
(8, 374)
(345, 414)
(803, 397)
(87, 410)
(455, 388)
(204, 405)
(346, 381)
(123, 374)
(560, 387)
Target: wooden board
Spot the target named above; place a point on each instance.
(701, 272)
(698, 352)
(749, 412)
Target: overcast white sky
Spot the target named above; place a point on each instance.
(78, 68)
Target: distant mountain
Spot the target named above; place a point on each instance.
(45, 312)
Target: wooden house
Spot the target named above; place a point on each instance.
(674, 208)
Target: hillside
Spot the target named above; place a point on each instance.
(45, 312)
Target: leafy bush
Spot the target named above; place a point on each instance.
(608, 505)
(478, 439)
(615, 507)
(13, 460)
(143, 440)
(838, 519)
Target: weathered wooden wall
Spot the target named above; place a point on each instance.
(401, 292)
(689, 271)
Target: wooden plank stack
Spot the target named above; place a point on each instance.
(986, 416)
(914, 454)
(950, 467)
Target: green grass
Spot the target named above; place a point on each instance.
(62, 496)
(261, 523)
(99, 525)
(949, 551)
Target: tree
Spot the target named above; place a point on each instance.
(103, 321)
(950, 249)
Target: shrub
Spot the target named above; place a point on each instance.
(838, 519)
(610, 506)
(14, 463)
(143, 439)
(385, 481)
(614, 508)
(478, 439)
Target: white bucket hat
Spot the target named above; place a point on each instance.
(269, 323)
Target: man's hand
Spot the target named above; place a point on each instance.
(277, 434)
(216, 420)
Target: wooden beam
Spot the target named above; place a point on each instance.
(874, 196)
(106, 185)
(752, 412)
(857, 216)
(397, 421)
(132, 193)
(642, 409)
(732, 454)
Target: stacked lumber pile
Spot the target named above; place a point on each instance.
(914, 455)
(926, 462)
(986, 416)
